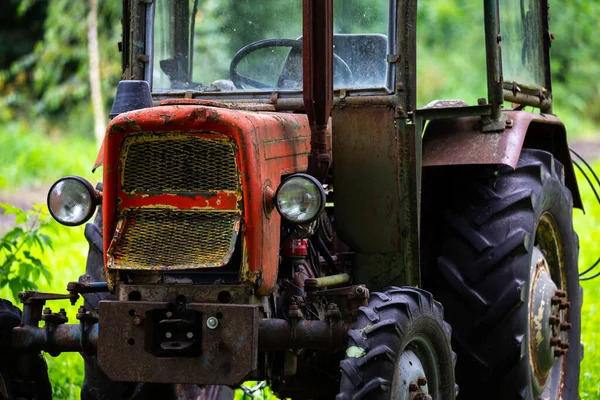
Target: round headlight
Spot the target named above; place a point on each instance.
(300, 199)
(72, 201)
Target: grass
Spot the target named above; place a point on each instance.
(28, 158)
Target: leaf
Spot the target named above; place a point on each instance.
(15, 286)
(355, 352)
(47, 240)
(20, 216)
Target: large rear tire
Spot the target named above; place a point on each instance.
(507, 260)
(400, 347)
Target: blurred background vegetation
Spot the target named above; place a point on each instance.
(47, 123)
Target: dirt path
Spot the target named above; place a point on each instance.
(23, 198)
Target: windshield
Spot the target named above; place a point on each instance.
(255, 45)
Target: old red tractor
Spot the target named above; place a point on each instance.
(274, 207)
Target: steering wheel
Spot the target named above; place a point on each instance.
(341, 69)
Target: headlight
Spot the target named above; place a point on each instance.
(72, 200)
(300, 199)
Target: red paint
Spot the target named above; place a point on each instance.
(221, 201)
(269, 146)
(295, 248)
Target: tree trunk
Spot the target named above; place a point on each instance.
(94, 58)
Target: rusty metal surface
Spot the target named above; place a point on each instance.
(493, 57)
(280, 334)
(228, 352)
(61, 338)
(317, 64)
(224, 294)
(459, 141)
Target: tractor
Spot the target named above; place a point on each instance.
(274, 207)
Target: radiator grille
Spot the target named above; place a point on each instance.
(174, 239)
(175, 163)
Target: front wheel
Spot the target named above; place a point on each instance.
(400, 349)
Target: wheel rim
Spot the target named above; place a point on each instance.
(417, 373)
(548, 312)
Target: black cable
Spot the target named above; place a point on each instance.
(587, 165)
(587, 179)
(590, 268)
(590, 277)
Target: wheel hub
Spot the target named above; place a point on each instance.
(413, 385)
(547, 321)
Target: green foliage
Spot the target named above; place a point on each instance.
(59, 63)
(588, 227)
(30, 157)
(20, 268)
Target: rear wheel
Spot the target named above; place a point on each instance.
(507, 275)
(400, 349)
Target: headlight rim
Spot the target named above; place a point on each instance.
(322, 197)
(93, 195)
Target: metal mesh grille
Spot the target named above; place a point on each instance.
(172, 163)
(170, 239)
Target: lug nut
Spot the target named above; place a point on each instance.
(555, 300)
(554, 320)
(565, 306)
(558, 353)
(561, 293)
(422, 381)
(555, 341)
(565, 326)
(413, 387)
(564, 345)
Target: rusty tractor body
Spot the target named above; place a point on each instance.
(250, 225)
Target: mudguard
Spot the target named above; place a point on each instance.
(460, 141)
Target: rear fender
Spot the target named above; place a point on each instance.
(459, 141)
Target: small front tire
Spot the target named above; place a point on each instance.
(400, 345)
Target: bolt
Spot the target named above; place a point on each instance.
(555, 341)
(137, 320)
(565, 326)
(413, 387)
(82, 310)
(557, 353)
(481, 101)
(190, 335)
(564, 345)
(422, 381)
(499, 38)
(560, 293)
(359, 289)
(554, 320)
(47, 311)
(169, 314)
(555, 300)
(168, 335)
(400, 87)
(565, 305)
(216, 345)
(212, 323)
